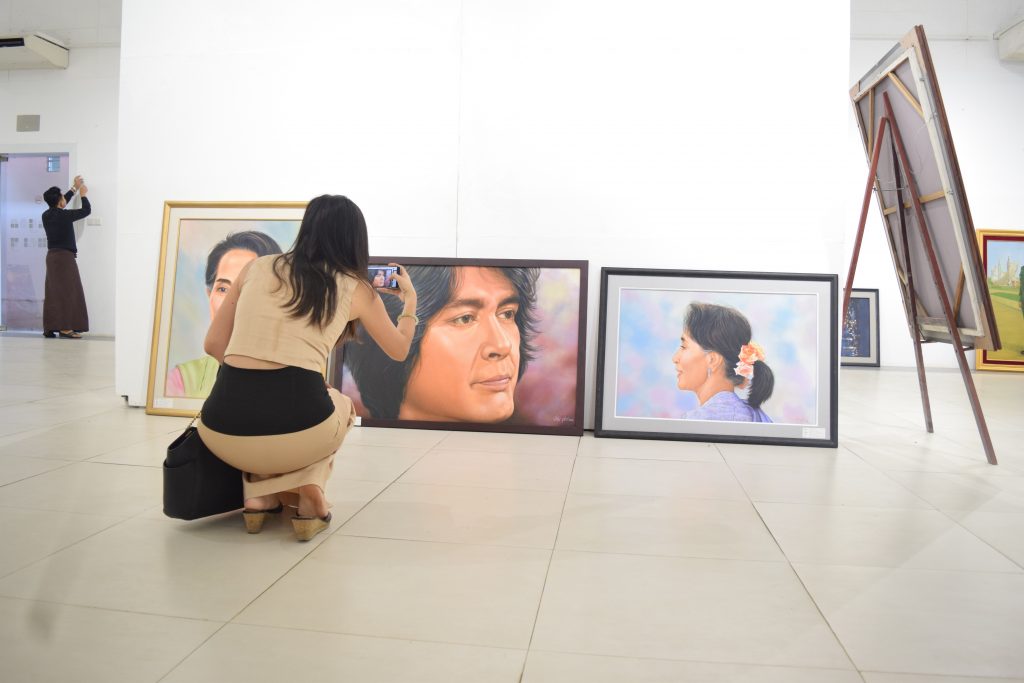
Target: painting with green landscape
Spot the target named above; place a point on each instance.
(1002, 252)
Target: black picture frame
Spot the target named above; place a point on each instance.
(561, 308)
(642, 314)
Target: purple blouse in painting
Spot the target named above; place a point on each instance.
(726, 406)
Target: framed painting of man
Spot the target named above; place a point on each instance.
(718, 356)
(1002, 252)
(203, 247)
(859, 339)
(499, 346)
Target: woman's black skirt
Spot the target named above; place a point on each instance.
(261, 402)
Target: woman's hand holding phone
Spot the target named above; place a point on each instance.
(405, 290)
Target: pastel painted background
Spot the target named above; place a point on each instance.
(190, 310)
(546, 394)
(651, 323)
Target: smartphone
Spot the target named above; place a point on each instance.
(383, 277)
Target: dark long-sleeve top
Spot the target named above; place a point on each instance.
(59, 224)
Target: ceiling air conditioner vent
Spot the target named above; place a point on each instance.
(34, 51)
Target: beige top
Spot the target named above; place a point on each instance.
(264, 328)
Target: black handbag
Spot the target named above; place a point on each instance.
(196, 482)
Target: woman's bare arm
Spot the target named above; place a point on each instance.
(368, 307)
(219, 334)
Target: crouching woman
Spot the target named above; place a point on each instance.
(270, 412)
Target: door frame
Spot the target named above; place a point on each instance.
(35, 149)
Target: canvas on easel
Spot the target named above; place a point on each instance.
(915, 177)
(907, 76)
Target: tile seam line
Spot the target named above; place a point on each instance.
(888, 475)
(273, 583)
(796, 575)
(312, 549)
(114, 610)
(351, 634)
(785, 667)
(551, 559)
(60, 550)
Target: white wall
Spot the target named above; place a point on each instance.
(78, 115)
(984, 100)
(627, 133)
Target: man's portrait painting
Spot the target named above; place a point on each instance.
(717, 356)
(205, 248)
(498, 347)
(1002, 252)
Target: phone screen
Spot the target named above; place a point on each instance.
(383, 277)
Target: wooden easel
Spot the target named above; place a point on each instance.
(902, 168)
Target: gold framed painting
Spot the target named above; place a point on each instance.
(1002, 253)
(203, 247)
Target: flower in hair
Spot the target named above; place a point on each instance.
(749, 354)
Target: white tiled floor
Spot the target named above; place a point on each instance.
(896, 558)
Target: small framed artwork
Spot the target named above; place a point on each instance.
(1002, 253)
(718, 356)
(859, 338)
(499, 347)
(203, 248)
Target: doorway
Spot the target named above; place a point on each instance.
(23, 179)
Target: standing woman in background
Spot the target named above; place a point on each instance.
(64, 311)
(270, 412)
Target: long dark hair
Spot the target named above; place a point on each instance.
(725, 330)
(332, 241)
(382, 382)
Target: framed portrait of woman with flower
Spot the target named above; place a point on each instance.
(718, 356)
